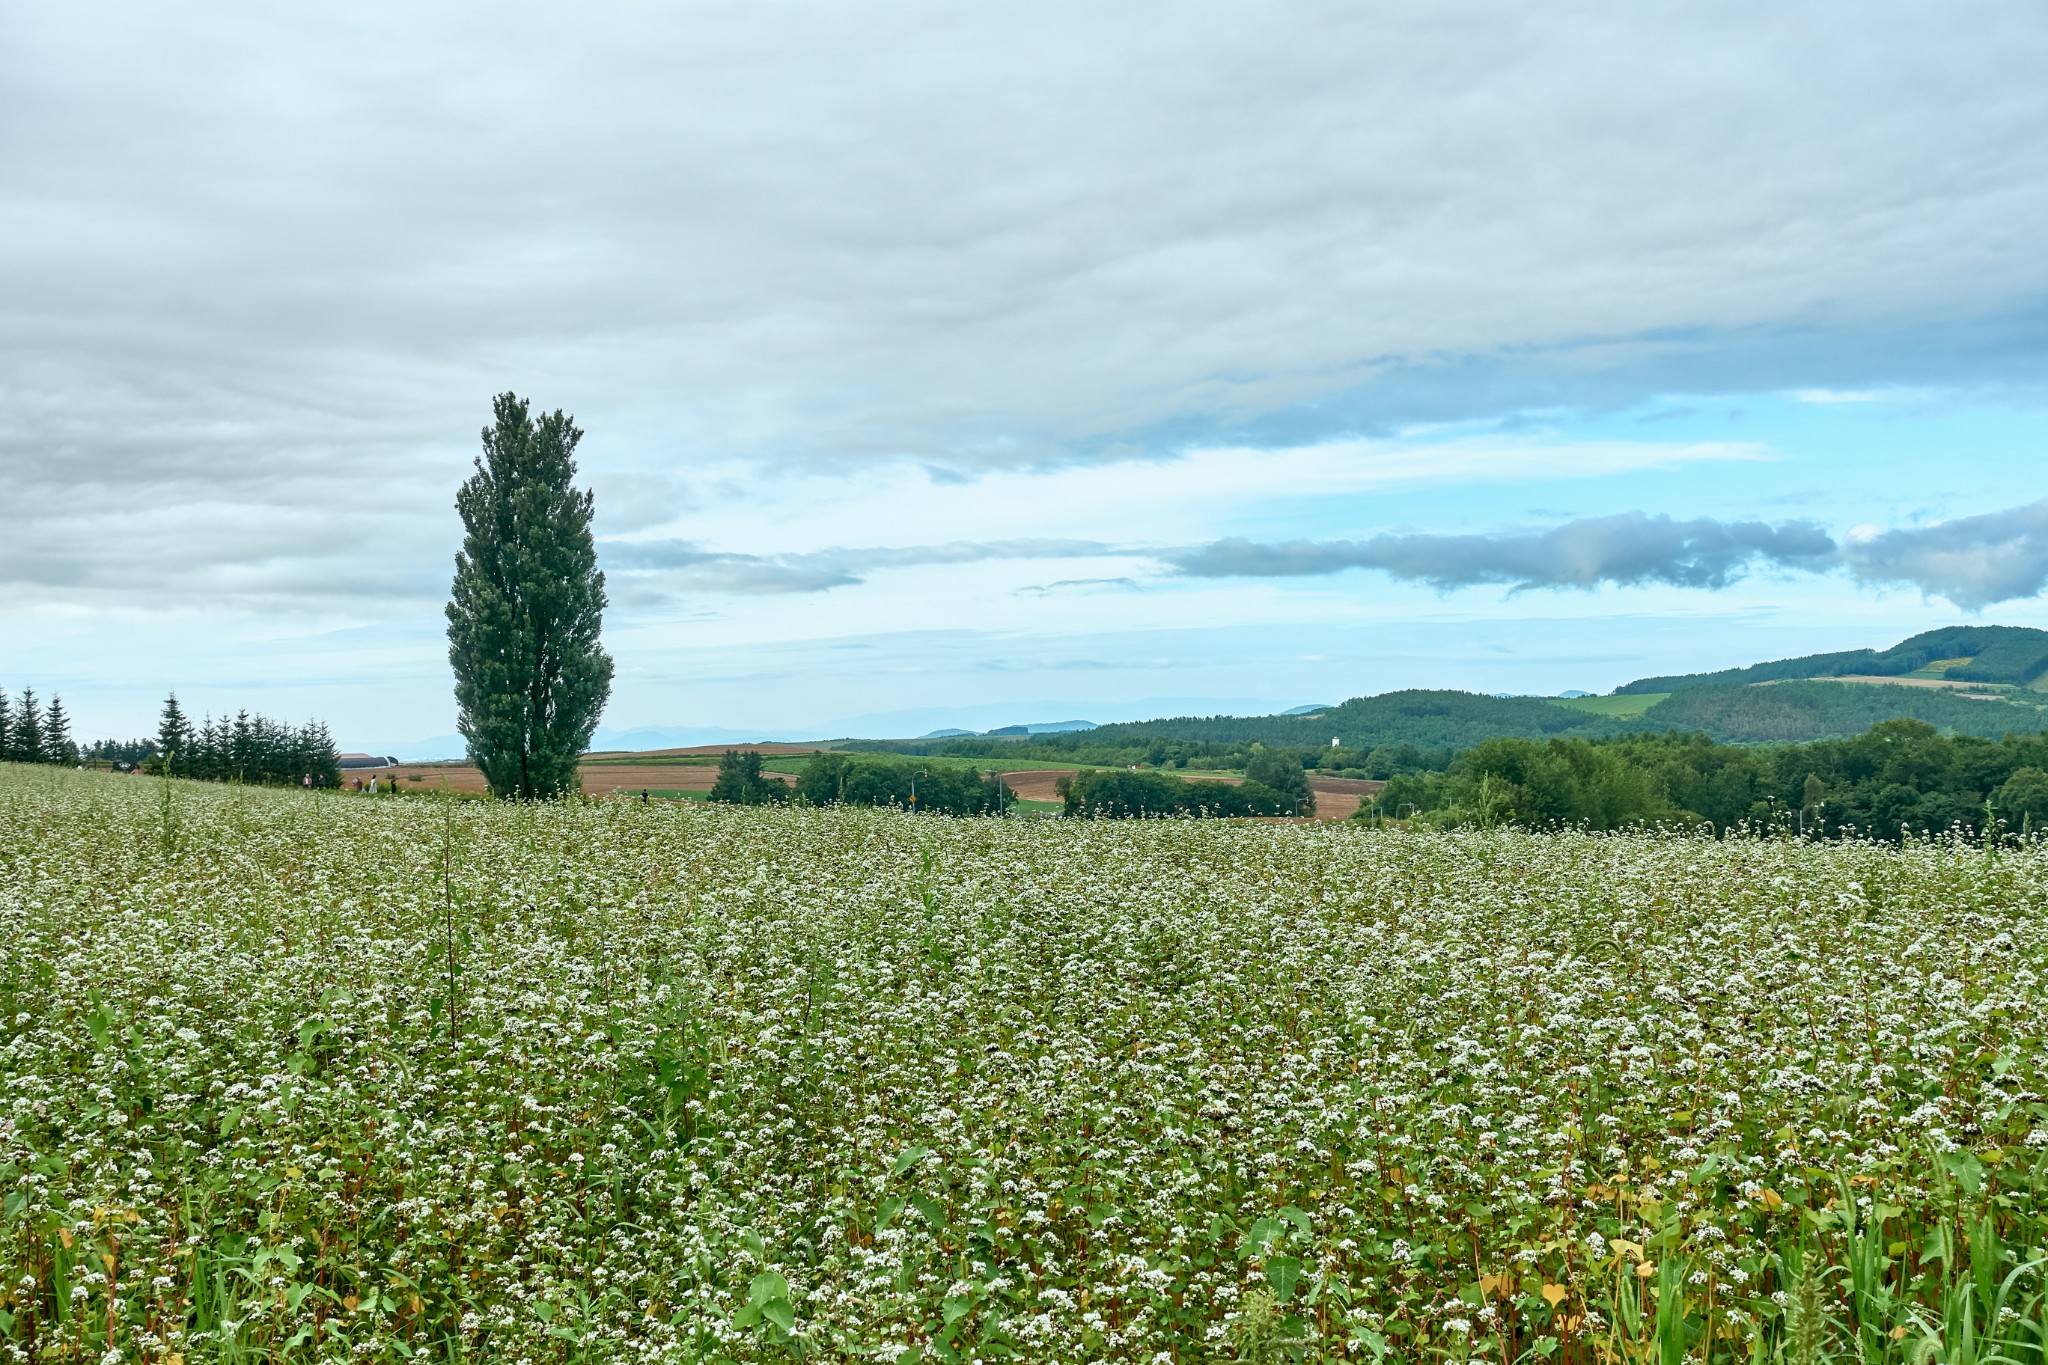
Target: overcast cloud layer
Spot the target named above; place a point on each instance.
(266, 265)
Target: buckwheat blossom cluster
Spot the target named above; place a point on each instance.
(294, 1076)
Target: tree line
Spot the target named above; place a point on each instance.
(1275, 785)
(838, 779)
(244, 748)
(31, 732)
(1899, 779)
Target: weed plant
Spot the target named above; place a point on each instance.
(293, 1077)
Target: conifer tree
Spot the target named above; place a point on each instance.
(527, 604)
(6, 729)
(28, 729)
(57, 745)
(174, 736)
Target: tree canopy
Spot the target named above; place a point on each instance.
(526, 608)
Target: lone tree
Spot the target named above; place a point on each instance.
(523, 618)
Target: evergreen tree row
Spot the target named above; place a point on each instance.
(245, 749)
(33, 733)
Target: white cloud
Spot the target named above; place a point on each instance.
(1836, 397)
(1974, 562)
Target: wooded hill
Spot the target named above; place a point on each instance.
(2016, 656)
(2002, 664)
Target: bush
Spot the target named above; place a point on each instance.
(740, 782)
(869, 780)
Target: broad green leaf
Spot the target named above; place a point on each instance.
(1283, 1273)
(933, 1211)
(765, 1286)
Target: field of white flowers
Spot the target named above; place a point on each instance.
(299, 1076)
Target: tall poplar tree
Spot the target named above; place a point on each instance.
(531, 679)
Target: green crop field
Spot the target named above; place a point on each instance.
(289, 1076)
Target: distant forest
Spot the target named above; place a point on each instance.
(1398, 732)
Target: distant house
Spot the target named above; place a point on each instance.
(368, 761)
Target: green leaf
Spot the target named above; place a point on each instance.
(886, 1214)
(779, 1312)
(1263, 1231)
(100, 1023)
(544, 1310)
(765, 1286)
(1967, 1170)
(1283, 1273)
(911, 1156)
(934, 1212)
(1299, 1219)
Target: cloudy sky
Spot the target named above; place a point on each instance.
(983, 361)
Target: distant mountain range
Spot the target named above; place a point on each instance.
(1052, 727)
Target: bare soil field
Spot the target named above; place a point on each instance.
(1036, 784)
(1338, 797)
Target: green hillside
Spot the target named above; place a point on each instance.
(1424, 719)
(2013, 655)
(1427, 726)
(1798, 711)
(1441, 723)
(1620, 704)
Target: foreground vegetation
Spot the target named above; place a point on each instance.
(290, 1076)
